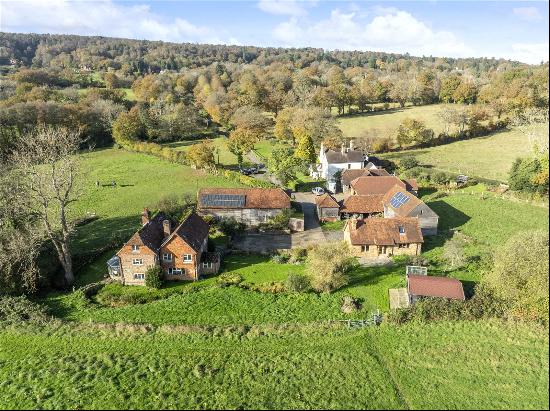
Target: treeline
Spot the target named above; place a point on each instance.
(102, 53)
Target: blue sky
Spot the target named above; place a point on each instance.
(515, 30)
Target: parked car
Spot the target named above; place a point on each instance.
(318, 191)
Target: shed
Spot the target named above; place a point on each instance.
(328, 208)
(419, 286)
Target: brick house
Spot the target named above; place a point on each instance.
(374, 237)
(398, 202)
(328, 208)
(250, 206)
(180, 250)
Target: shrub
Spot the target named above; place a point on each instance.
(408, 162)
(278, 222)
(228, 279)
(229, 226)
(19, 310)
(281, 258)
(350, 304)
(273, 287)
(328, 265)
(297, 283)
(297, 255)
(154, 277)
(440, 178)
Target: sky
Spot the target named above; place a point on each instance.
(507, 29)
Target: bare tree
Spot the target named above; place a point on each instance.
(47, 167)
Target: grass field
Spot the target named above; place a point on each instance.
(219, 143)
(487, 157)
(142, 180)
(445, 365)
(385, 123)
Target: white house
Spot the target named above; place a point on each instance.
(331, 161)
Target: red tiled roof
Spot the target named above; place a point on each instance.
(411, 184)
(193, 230)
(264, 198)
(363, 204)
(406, 208)
(326, 201)
(375, 185)
(428, 286)
(150, 235)
(349, 175)
(385, 231)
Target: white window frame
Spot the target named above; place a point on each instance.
(207, 264)
(176, 271)
(135, 248)
(187, 258)
(139, 276)
(168, 257)
(137, 261)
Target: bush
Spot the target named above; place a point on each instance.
(154, 277)
(297, 283)
(228, 279)
(19, 310)
(229, 226)
(440, 178)
(278, 222)
(273, 287)
(280, 258)
(408, 162)
(328, 265)
(350, 305)
(297, 255)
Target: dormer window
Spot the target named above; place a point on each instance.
(135, 248)
(401, 230)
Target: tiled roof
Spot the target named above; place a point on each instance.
(428, 286)
(326, 201)
(265, 198)
(350, 156)
(363, 204)
(411, 184)
(385, 231)
(349, 175)
(375, 185)
(405, 209)
(150, 235)
(193, 230)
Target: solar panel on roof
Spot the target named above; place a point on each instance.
(223, 200)
(399, 199)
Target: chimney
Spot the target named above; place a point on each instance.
(343, 149)
(166, 228)
(145, 216)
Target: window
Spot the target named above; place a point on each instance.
(207, 264)
(139, 276)
(364, 248)
(137, 261)
(349, 166)
(175, 271)
(403, 246)
(135, 248)
(187, 258)
(167, 256)
(401, 229)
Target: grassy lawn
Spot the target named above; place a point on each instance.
(220, 143)
(142, 180)
(385, 123)
(443, 365)
(487, 157)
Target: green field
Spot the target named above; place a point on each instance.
(487, 157)
(142, 180)
(385, 123)
(447, 365)
(222, 154)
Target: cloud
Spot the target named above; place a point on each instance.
(528, 13)
(389, 30)
(285, 7)
(100, 18)
(532, 53)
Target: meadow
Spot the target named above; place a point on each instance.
(385, 123)
(487, 157)
(441, 366)
(141, 181)
(222, 154)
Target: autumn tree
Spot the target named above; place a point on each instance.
(305, 149)
(128, 127)
(284, 165)
(201, 155)
(241, 141)
(413, 132)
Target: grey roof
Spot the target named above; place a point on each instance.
(351, 156)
